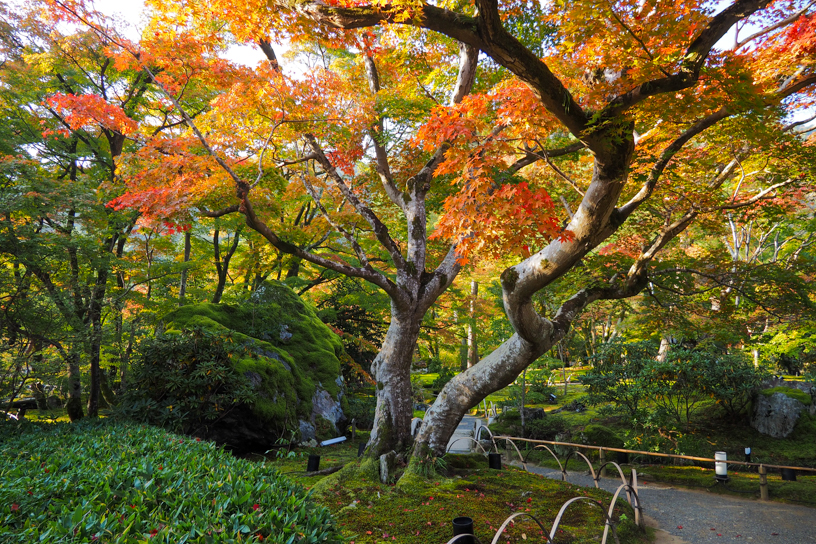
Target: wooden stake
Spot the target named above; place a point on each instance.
(763, 483)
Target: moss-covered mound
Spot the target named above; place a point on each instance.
(789, 392)
(293, 362)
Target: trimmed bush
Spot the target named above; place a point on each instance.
(599, 435)
(123, 483)
(546, 428)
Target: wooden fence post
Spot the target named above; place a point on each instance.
(602, 473)
(763, 483)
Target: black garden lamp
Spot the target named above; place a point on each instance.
(463, 525)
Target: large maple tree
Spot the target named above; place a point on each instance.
(431, 135)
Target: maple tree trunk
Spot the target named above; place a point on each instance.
(391, 370)
(495, 371)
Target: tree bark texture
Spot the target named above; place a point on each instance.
(391, 370)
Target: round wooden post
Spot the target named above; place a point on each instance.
(763, 483)
(602, 456)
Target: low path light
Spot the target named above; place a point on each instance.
(313, 464)
(463, 525)
(721, 467)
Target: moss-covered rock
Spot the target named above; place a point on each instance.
(294, 365)
(790, 392)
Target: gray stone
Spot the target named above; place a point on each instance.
(776, 415)
(531, 414)
(324, 405)
(388, 465)
(307, 431)
(254, 378)
(53, 402)
(285, 335)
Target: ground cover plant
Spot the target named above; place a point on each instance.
(124, 483)
(418, 509)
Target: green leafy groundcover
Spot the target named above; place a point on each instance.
(104, 482)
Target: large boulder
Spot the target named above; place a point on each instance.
(777, 410)
(294, 368)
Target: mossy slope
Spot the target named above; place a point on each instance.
(295, 353)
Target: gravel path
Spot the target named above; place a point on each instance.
(685, 516)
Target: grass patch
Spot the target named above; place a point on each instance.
(123, 483)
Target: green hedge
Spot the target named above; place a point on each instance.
(120, 483)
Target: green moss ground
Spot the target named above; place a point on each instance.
(419, 510)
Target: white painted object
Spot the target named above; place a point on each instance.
(721, 467)
(333, 441)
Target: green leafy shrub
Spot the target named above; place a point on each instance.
(600, 435)
(507, 423)
(731, 380)
(629, 376)
(123, 483)
(361, 409)
(445, 375)
(619, 375)
(546, 428)
(187, 380)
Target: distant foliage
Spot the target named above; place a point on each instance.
(629, 376)
(445, 375)
(619, 376)
(361, 409)
(123, 483)
(184, 381)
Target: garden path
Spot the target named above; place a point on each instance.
(459, 442)
(684, 516)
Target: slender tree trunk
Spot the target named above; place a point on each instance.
(183, 282)
(95, 315)
(74, 386)
(294, 268)
(523, 401)
(665, 345)
(473, 349)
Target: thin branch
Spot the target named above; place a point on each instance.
(635, 36)
(379, 228)
(530, 157)
(220, 213)
(336, 226)
(773, 27)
